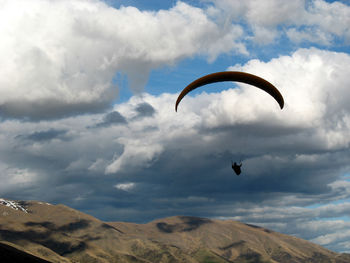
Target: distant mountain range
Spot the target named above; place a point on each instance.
(40, 232)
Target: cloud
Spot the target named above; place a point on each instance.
(144, 110)
(60, 57)
(306, 223)
(125, 186)
(180, 162)
(111, 118)
(41, 136)
(310, 21)
(309, 35)
(330, 238)
(48, 74)
(137, 153)
(16, 179)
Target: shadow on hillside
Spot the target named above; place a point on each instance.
(187, 224)
(107, 226)
(71, 227)
(11, 254)
(45, 237)
(234, 245)
(259, 227)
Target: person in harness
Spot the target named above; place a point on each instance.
(237, 168)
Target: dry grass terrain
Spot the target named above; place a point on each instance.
(57, 233)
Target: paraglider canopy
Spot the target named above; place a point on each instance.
(233, 76)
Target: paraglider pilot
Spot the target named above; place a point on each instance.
(237, 168)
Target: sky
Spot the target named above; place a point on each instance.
(87, 118)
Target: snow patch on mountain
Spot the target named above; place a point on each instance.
(13, 204)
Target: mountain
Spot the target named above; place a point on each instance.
(56, 233)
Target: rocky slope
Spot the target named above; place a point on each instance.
(57, 233)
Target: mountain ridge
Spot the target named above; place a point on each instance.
(58, 233)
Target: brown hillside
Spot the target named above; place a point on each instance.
(57, 233)
(230, 240)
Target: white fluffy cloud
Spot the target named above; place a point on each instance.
(313, 21)
(60, 57)
(314, 86)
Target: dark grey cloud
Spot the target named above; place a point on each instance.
(46, 135)
(111, 118)
(144, 110)
(51, 109)
(114, 118)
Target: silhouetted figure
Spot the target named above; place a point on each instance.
(237, 168)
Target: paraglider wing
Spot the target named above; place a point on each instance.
(233, 76)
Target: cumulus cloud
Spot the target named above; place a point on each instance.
(310, 21)
(60, 57)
